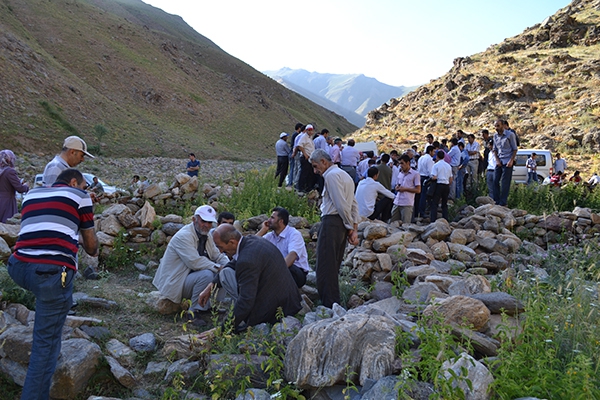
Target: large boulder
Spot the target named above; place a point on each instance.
(477, 374)
(461, 311)
(78, 362)
(325, 352)
(438, 230)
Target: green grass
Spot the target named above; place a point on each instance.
(260, 195)
(547, 199)
(556, 354)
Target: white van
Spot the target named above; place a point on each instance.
(366, 146)
(544, 164)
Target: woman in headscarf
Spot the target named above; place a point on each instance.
(9, 184)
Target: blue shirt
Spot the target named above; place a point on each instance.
(505, 144)
(454, 155)
(194, 163)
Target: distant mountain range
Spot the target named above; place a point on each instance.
(350, 95)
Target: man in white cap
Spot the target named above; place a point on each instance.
(72, 154)
(283, 157)
(189, 264)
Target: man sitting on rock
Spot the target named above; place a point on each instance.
(189, 264)
(257, 280)
(290, 243)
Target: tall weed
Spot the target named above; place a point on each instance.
(556, 353)
(260, 194)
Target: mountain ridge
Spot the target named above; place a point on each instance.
(356, 94)
(544, 81)
(158, 87)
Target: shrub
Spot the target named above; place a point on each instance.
(260, 194)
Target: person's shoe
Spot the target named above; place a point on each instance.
(91, 274)
(165, 306)
(195, 319)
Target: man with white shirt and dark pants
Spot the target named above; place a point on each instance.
(349, 160)
(283, 157)
(339, 222)
(454, 154)
(289, 241)
(366, 197)
(424, 167)
(441, 173)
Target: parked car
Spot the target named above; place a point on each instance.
(543, 160)
(89, 178)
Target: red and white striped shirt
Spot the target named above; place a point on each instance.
(51, 220)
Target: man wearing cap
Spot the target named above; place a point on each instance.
(56, 220)
(72, 154)
(189, 264)
(283, 157)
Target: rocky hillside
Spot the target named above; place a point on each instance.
(135, 81)
(350, 95)
(545, 81)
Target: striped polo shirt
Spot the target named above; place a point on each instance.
(50, 224)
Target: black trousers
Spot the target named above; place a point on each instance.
(299, 275)
(331, 244)
(307, 179)
(383, 209)
(283, 163)
(441, 193)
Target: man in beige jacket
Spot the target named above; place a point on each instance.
(190, 263)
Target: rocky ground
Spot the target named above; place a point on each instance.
(118, 171)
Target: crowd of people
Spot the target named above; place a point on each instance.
(209, 259)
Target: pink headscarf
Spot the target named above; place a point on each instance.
(7, 159)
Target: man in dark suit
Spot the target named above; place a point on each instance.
(257, 279)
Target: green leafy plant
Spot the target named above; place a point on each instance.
(260, 194)
(13, 293)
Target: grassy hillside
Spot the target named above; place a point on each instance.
(158, 87)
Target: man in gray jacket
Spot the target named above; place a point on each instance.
(189, 264)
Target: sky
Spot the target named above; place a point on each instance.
(398, 42)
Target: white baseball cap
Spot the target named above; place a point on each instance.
(282, 135)
(76, 143)
(207, 213)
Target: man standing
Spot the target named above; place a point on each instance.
(189, 264)
(339, 221)
(483, 162)
(454, 154)
(407, 184)
(366, 196)
(289, 241)
(72, 154)
(283, 157)
(305, 147)
(291, 177)
(531, 165)
(321, 140)
(505, 151)
(424, 169)
(385, 172)
(349, 160)
(45, 262)
(193, 165)
(257, 280)
(472, 147)
(560, 165)
(441, 173)
(336, 152)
